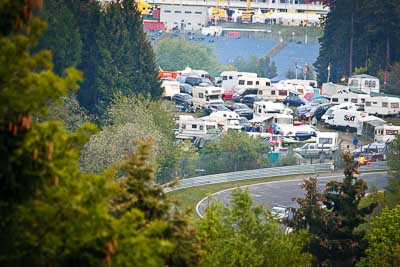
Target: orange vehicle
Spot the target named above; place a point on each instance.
(162, 74)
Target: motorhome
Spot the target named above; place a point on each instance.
(344, 106)
(299, 133)
(328, 140)
(347, 120)
(205, 95)
(357, 99)
(330, 89)
(365, 83)
(385, 106)
(226, 120)
(272, 120)
(263, 108)
(170, 88)
(190, 128)
(386, 133)
(229, 78)
(276, 92)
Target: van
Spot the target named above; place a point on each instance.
(347, 120)
(251, 82)
(205, 95)
(344, 106)
(190, 128)
(385, 106)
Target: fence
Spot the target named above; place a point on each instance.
(266, 172)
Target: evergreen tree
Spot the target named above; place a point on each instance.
(332, 218)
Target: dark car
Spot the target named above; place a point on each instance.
(238, 96)
(321, 111)
(250, 99)
(244, 122)
(186, 88)
(182, 99)
(193, 80)
(294, 100)
(215, 107)
(243, 110)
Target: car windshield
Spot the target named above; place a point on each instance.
(186, 97)
(241, 91)
(241, 106)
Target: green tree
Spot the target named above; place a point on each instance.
(262, 66)
(234, 151)
(243, 235)
(392, 190)
(333, 227)
(178, 53)
(383, 240)
(62, 36)
(392, 79)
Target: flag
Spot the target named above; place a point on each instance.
(385, 77)
(306, 70)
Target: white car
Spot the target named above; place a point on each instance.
(280, 213)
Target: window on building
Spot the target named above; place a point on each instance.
(194, 126)
(249, 82)
(394, 105)
(367, 104)
(198, 12)
(230, 78)
(178, 11)
(273, 92)
(167, 11)
(257, 82)
(374, 103)
(354, 100)
(384, 104)
(188, 12)
(335, 100)
(241, 82)
(346, 100)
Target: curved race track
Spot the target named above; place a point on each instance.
(281, 192)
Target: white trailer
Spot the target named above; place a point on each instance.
(276, 92)
(357, 99)
(251, 82)
(384, 106)
(344, 106)
(170, 88)
(386, 133)
(328, 140)
(262, 108)
(206, 95)
(227, 120)
(330, 89)
(312, 83)
(230, 78)
(365, 83)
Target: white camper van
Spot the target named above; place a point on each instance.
(262, 108)
(347, 120)
(189, 127)
(170, 88)
(365, 83)
(276, 92)
(385, 106)
(227, 120)
(251, 82)
(328, 140)
(206, 95)
(330, 89)
(357, 99)
(229, 78)
(386, 133)
(312, 83)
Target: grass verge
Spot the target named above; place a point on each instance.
(189, 197)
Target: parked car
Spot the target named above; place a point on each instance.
(320, 111)
(243, 110)
(250, 99)
(215, 107)
(186, 88)
(244, 122)
(193, 80)
(304, 110)
(294, 100)
(240, 94)
(184, 102)
(312, 151)
(280, 213)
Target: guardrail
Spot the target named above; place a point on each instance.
(266, 172)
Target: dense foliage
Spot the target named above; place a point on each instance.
(243, 235)
(332, 218)
(177, 53)
(392, 191)
(359, 33)
(262, 66)
(52, 214)
(105, 40)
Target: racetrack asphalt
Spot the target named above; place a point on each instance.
(280, 193)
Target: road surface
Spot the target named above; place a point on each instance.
(281, 192)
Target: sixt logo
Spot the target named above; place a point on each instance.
(349, 117)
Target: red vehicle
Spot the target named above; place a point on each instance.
(228, 94)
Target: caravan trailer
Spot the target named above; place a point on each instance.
(229, 78)
(206, 95)
(262, 108)
(357, 99)
(276, 92)
(227, 120)
(381, 105)
(251, 82)
(365, 83)
(170, 88)
(386, 133)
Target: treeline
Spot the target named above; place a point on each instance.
(359, 34)
(104, 40)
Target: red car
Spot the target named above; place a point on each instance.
(228, 94)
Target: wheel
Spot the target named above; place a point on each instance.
(348, 129)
